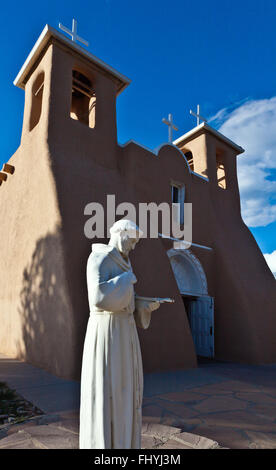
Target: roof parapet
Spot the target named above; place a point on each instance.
(205, 127)
(44, 38)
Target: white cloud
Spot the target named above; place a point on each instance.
(271, 261)
(252, 125)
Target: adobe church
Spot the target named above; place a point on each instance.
(69, 156)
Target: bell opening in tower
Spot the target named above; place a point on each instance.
(83, 103)
(37, 94)
(220, 167)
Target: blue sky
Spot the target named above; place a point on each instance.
(220, 54)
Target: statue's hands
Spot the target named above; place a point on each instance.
(146, 306)
(153, 306)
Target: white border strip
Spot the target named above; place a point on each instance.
(47, 32)
(212, 131)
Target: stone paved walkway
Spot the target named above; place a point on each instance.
(61, 432)
(238, 409)
(230, 404)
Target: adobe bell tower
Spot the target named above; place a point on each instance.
(68, 156)
(211, 155)
(214, 157)
(70, 98)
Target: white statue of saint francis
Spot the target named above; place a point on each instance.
(112, 372)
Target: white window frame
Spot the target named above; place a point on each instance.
(181, 198)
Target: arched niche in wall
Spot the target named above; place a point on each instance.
(188, 272)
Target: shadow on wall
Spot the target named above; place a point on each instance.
(45, 311)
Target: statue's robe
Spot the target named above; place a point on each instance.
(112, 373)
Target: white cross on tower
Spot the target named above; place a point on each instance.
(73, 33)
(197, 115)
(170, 125)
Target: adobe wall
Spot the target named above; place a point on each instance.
(168, 343)
(36, 312)
(55, 177)
(87, 166)
(244, 287)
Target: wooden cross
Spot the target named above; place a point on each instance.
(171, 126)
(73, 33)
(197, 115)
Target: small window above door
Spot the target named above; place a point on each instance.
(178, 197)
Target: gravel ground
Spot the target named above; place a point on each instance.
(14, 408)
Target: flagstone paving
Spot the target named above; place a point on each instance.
(217, 405)
(239, 411)
(61, 432)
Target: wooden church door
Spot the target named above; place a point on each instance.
(201, 317)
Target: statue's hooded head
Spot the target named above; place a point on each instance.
(124, 236)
